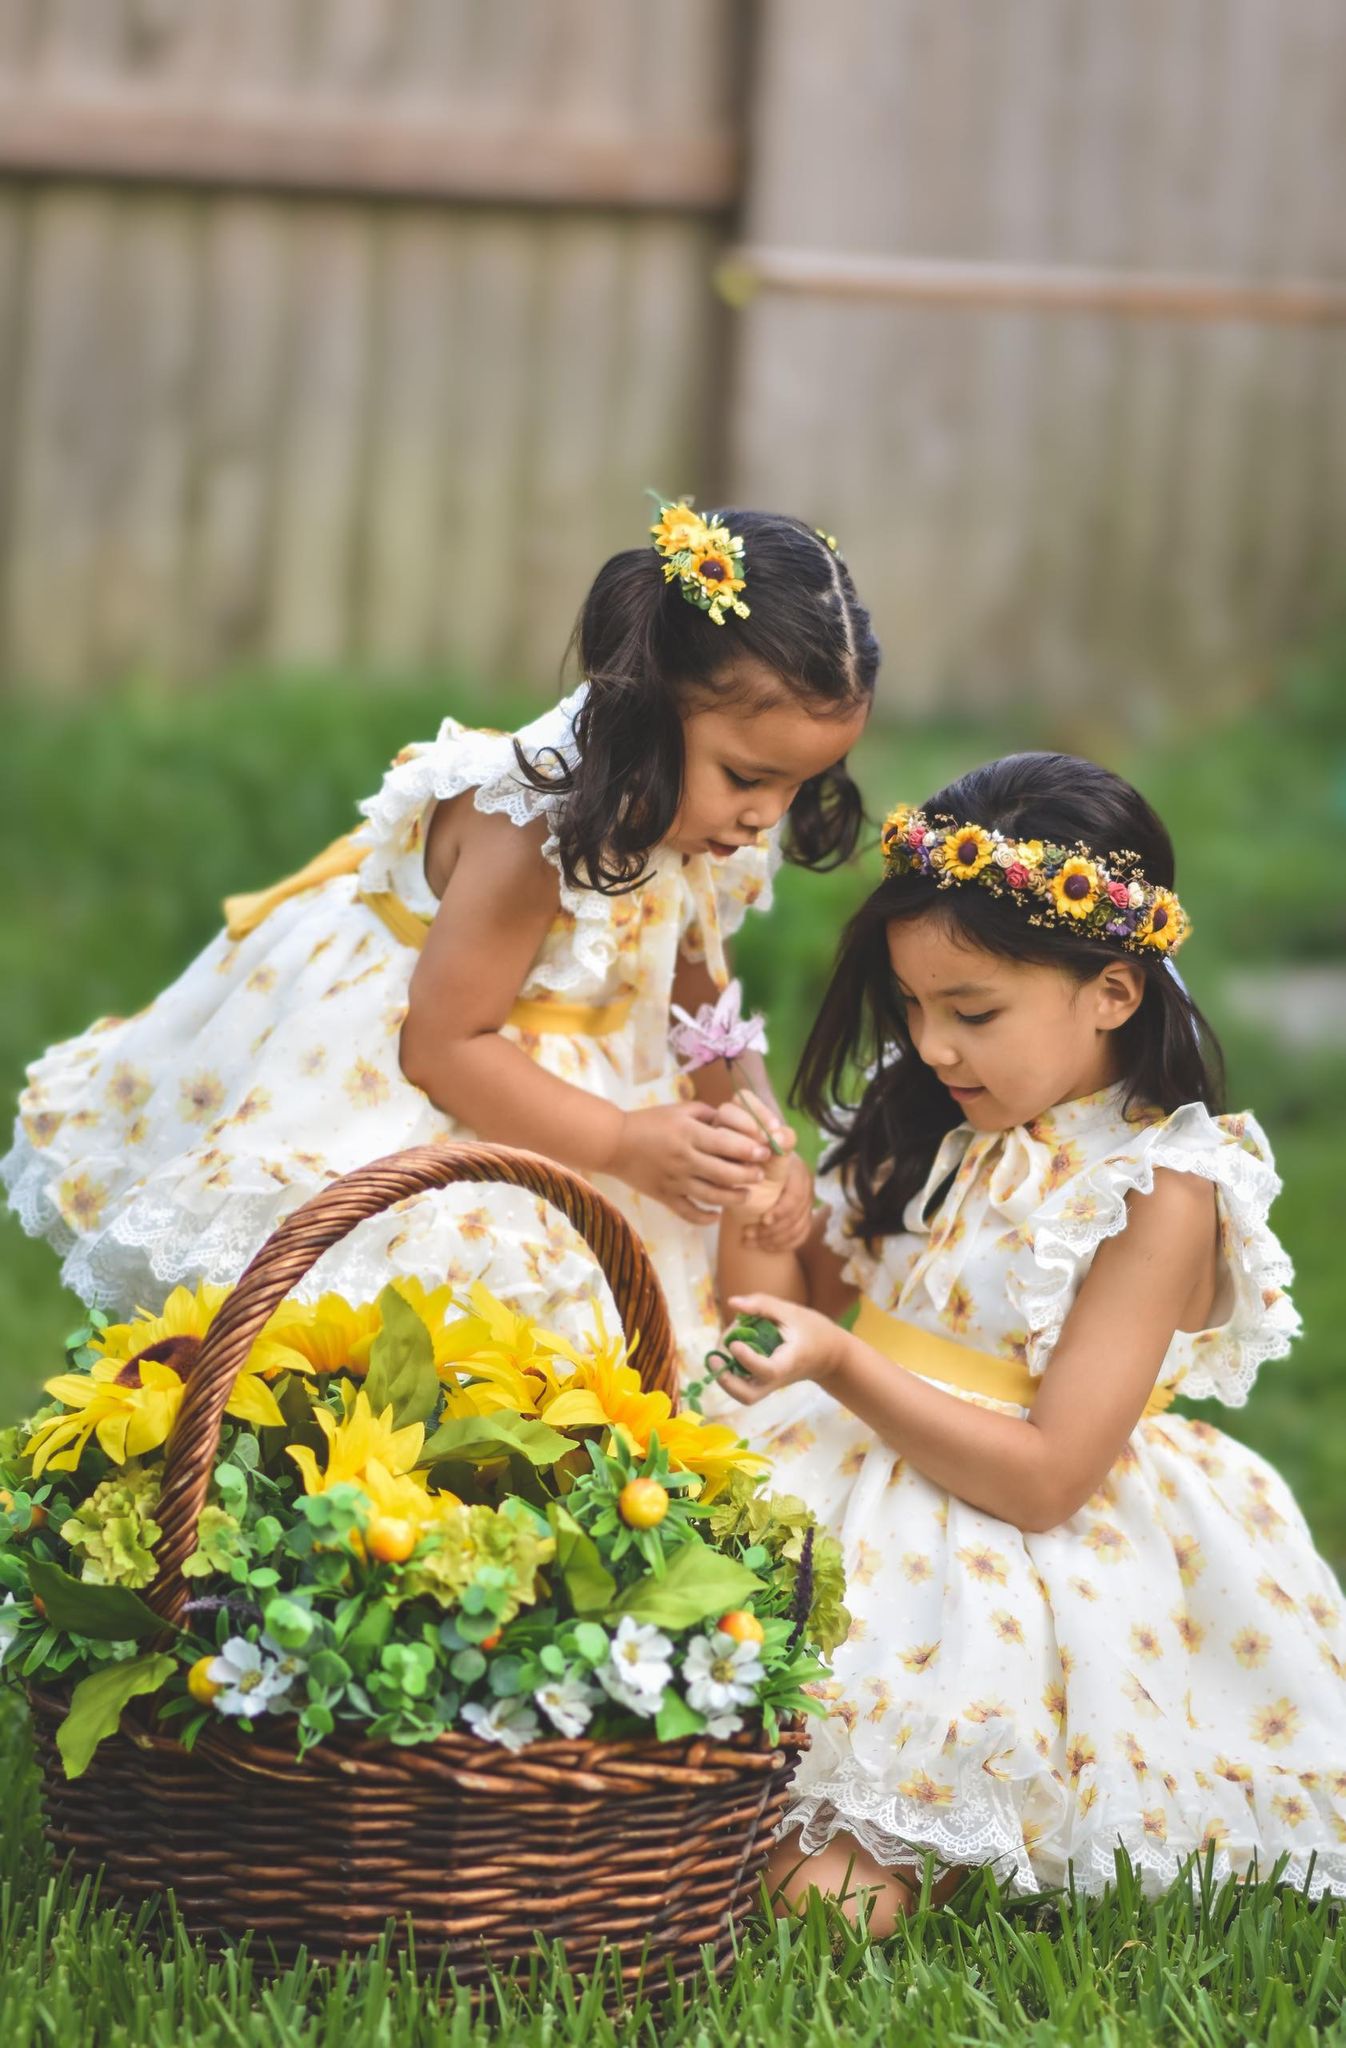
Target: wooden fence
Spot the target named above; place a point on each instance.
(351, 331)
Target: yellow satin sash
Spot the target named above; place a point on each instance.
(958, 1365)
(243, 914)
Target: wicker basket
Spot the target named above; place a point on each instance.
(642, 1845)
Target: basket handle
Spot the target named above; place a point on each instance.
(322, 1222)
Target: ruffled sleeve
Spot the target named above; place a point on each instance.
(1257, 1320)
(859, 1265)
(462, 758)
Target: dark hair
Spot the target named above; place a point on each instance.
(887, 1143)
(647, 652)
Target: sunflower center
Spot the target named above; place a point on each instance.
(178, 1353)
(1160, 918)
(1077, 886)
(713, 571)
(967, 852)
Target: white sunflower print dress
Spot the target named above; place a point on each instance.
(1165, 1670)
(166, 1147)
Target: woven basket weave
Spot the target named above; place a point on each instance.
(643, 1845)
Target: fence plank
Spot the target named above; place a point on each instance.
(247, 277)
(60, 447)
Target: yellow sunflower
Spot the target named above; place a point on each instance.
(327, 1335)
(359, 1441)
(1075, 887)
(679, 530)
(965, 852)
(1166, 924)
(130, 1399)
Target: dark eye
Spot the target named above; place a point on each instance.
(984, 1017)
(742, 781)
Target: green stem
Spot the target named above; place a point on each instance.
(776, 1147)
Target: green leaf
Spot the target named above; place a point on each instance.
(97, 1702)
(467, 1666)
(587, 1579)
(329, 1667)
(112, 1614)
(675, 1718)
(591, 1642)
(402, 1372)
(699, 1582)
(481, 1439)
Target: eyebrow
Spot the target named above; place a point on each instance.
(961, 988)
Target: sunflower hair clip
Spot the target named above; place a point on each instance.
(703, 557)
(1070, 887)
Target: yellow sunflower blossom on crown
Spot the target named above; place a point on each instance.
(703, 557)
(1075, 887)
(679, 530)
(965, 853)
(1166, 923)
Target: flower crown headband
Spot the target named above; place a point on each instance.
(1067, 886)
(706, 558)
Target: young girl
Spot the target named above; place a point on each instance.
(1081, 1620)
(492, 953)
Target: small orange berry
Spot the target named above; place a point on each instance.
(38, 1516)
(390, 1538)
(40, 1604)
(742, 1626)
(643, 1503)
(200, 1684)
(489, 1642)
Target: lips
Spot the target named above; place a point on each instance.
(962, 1094)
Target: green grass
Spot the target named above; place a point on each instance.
(130, 817)
(1207, 1966)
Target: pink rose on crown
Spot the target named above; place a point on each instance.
(1119, 894)
(1016, 874)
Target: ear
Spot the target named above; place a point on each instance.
(1117, 994)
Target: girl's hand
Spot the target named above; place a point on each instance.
(678, 1154)
(811, 1351)
(786, 1225)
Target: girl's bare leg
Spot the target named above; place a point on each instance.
(843, 1870)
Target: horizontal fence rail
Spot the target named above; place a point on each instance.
(1024, 287)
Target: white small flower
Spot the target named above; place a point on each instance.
(644, 1703)
(9, 1625)
(639, 1659)
(511, 1723)
(718, 1726)
(1135, 895)
(253, 1682)
(1004, 855)
(720, 1673)
(568, 1703)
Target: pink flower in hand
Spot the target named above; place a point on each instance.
(719, 1031)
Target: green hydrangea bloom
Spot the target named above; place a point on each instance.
(217, 1544)
(780, 1522)
(469, 1539)
(114, 1532)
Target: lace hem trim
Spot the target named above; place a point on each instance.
(1263, 1322)
(987, 1828)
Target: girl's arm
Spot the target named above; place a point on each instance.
(498, 896)
(1153, 1279)
(811, 1275)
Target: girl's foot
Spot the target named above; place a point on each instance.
(843, 1870)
